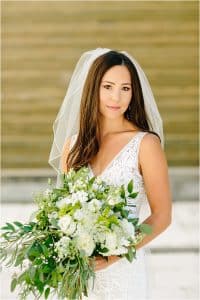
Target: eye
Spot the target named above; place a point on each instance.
(126, 88)
(107, 86)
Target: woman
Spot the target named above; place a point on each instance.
(119, 138)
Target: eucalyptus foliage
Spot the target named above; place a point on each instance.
(55, 252)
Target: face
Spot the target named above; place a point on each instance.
(115, 92)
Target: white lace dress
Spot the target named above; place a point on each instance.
(124, 280)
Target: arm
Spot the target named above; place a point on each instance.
(154, 170)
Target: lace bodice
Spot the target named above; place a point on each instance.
(123, 168)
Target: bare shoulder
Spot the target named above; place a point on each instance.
(151, 154)
(150, 140)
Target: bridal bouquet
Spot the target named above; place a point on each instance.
(56, 250)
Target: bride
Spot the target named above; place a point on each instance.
(109, 122)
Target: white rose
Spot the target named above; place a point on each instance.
(63, 202)
(86, 243)
(94, 205)
(113, 200)
(70, 230)
(64, 222)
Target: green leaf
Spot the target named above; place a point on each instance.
(130, 186)
(38, 261)
(19, 260)
(46, 269)
(18, 224)
(54, 278)
(146, 228)
(122, 192)
(60, 268)
(34, 251)
(46, 293)
(49, 241)
(134, 221)
(125, 213)
(13, 284)
(104, 250)
(73, 263)
(10, 227)
(27, 228)
(133, 195)
(32, 271)
(130, 255)
(40, 286)
(4, 228)
(22, 277)
(44, 250)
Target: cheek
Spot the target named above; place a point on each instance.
(103, 96)
(127, 99)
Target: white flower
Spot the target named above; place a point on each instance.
(86, 243)
(99, 235)
(78, 215)
(95, 186)
(119, 251)
(111, 241)
(113, 200)
(128, 227)
(62, 246)
(53, 215)
(67, 225)
(47, 192)
(79, 196)
(94, 205)
(64, 222)
(64, 201)
(124, 242)
(71, 229)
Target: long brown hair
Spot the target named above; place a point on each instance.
(87, 142)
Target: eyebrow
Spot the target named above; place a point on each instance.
(114, 83)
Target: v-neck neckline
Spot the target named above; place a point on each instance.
(114, 158)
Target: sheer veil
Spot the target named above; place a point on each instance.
(67, 121)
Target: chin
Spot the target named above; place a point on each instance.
(112, 116)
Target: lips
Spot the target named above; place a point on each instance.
(113, 107)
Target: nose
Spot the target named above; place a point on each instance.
(116, 95)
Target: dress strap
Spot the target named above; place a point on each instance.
(137, 147)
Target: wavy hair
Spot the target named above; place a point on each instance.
(87, 142)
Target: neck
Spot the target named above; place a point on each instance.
(109, 126)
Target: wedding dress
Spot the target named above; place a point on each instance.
(124, 280)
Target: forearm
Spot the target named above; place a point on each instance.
(158, 224)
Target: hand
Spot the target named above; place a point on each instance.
(102, 263)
